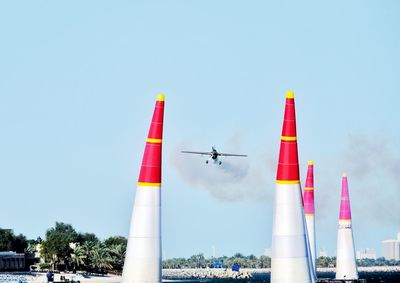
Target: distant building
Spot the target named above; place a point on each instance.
(366, 254)
(391, 249)
(12, 261)
(323, 253)
(38, 253)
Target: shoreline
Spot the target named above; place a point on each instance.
(177, 274)
(40, 277)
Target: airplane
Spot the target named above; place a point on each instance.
(213, 155)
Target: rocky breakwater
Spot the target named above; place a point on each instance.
(206, 273)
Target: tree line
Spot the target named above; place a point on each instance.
(66, 249)
(251, 261)
(199, 261)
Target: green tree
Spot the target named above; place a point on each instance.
(6, 240)
(101, 258)
(116, 246)
(251, 261)
(115, 240)
(196, 261)
(175, 263)
(117, 253)
(238, 255)
(31, 249)
(264, 262)
(56, 248)
(87, 237)
(11, 242)
(87, 248)
(19, 244)
(78, 257)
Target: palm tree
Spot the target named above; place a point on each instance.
(87, 249)
(78, 256)
(31, 249)
(264, 261)
(101, 258)
(117, 253)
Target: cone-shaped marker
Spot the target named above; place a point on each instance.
(143, 253)
(346, 267)
(309, 211)
(290, 257)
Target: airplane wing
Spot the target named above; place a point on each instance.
(196, 152)
(230, 154)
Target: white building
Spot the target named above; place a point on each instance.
(391, 249)
(366, 253)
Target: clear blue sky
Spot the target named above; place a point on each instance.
(78, 81)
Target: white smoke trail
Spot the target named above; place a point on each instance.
(236, 179)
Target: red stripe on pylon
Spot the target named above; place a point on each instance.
(288, 166)
(150, 171)
(156, 128)
(289, 122)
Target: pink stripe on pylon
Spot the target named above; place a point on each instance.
(308, 195)
(310, 175)
(345, 212)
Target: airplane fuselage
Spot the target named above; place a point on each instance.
(214, 156)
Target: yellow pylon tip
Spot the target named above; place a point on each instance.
(290, 94)
(310, 162)
(160, 97)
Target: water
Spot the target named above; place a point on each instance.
(372, 277)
